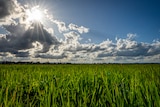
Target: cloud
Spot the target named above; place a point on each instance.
(131, 36)
(80, 29)
(51, 56)
(154, 49)
(35, 41)
(71, 38)
(2, 36)
(126, 49)
(10, 9)
(73, 27)
(43, 44)
(21, 39)
(61, 26)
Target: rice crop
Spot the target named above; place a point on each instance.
(80, 85)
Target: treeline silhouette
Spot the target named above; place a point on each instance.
(9, 62)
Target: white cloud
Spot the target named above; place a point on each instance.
(131, 36)
(71, 38)
(50, 30)
(61, 26)
(2, 36)
(38, 42)
(71, 27)
(126, 44)
(10, 10)
(37, 46)
(154, 48)
(70, 50)
(80, 29)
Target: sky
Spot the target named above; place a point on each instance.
(80, 31)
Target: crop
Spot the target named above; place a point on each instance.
(83, 85)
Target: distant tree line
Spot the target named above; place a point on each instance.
(20, 62)
(9, 62)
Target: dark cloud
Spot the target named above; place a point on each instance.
(105, 54)
(10, 10)
(51, 56)
(6, 7)
(22, 54)
(19, 39)
(35, 41)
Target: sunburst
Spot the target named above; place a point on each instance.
(35, 14)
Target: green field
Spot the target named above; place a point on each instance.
(111, 85)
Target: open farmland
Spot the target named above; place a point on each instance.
(111, 85)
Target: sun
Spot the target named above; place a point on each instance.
(34, 14)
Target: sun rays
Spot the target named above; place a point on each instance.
(35, 14)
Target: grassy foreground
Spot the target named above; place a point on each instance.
(80, 85)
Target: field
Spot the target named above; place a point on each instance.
(100, 85)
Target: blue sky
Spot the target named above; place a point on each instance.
(113, 18)
(109, 18)
(110, 31)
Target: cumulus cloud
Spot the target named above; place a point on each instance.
(10, 9)
(71, 38)
(21, 39)
(126, 49)
(131, 36)
(80, 29)
(61, 26)
(51, 56)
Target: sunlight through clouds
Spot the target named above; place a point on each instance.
(34, 14)
(30, 38)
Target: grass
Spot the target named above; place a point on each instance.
(111, 85)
